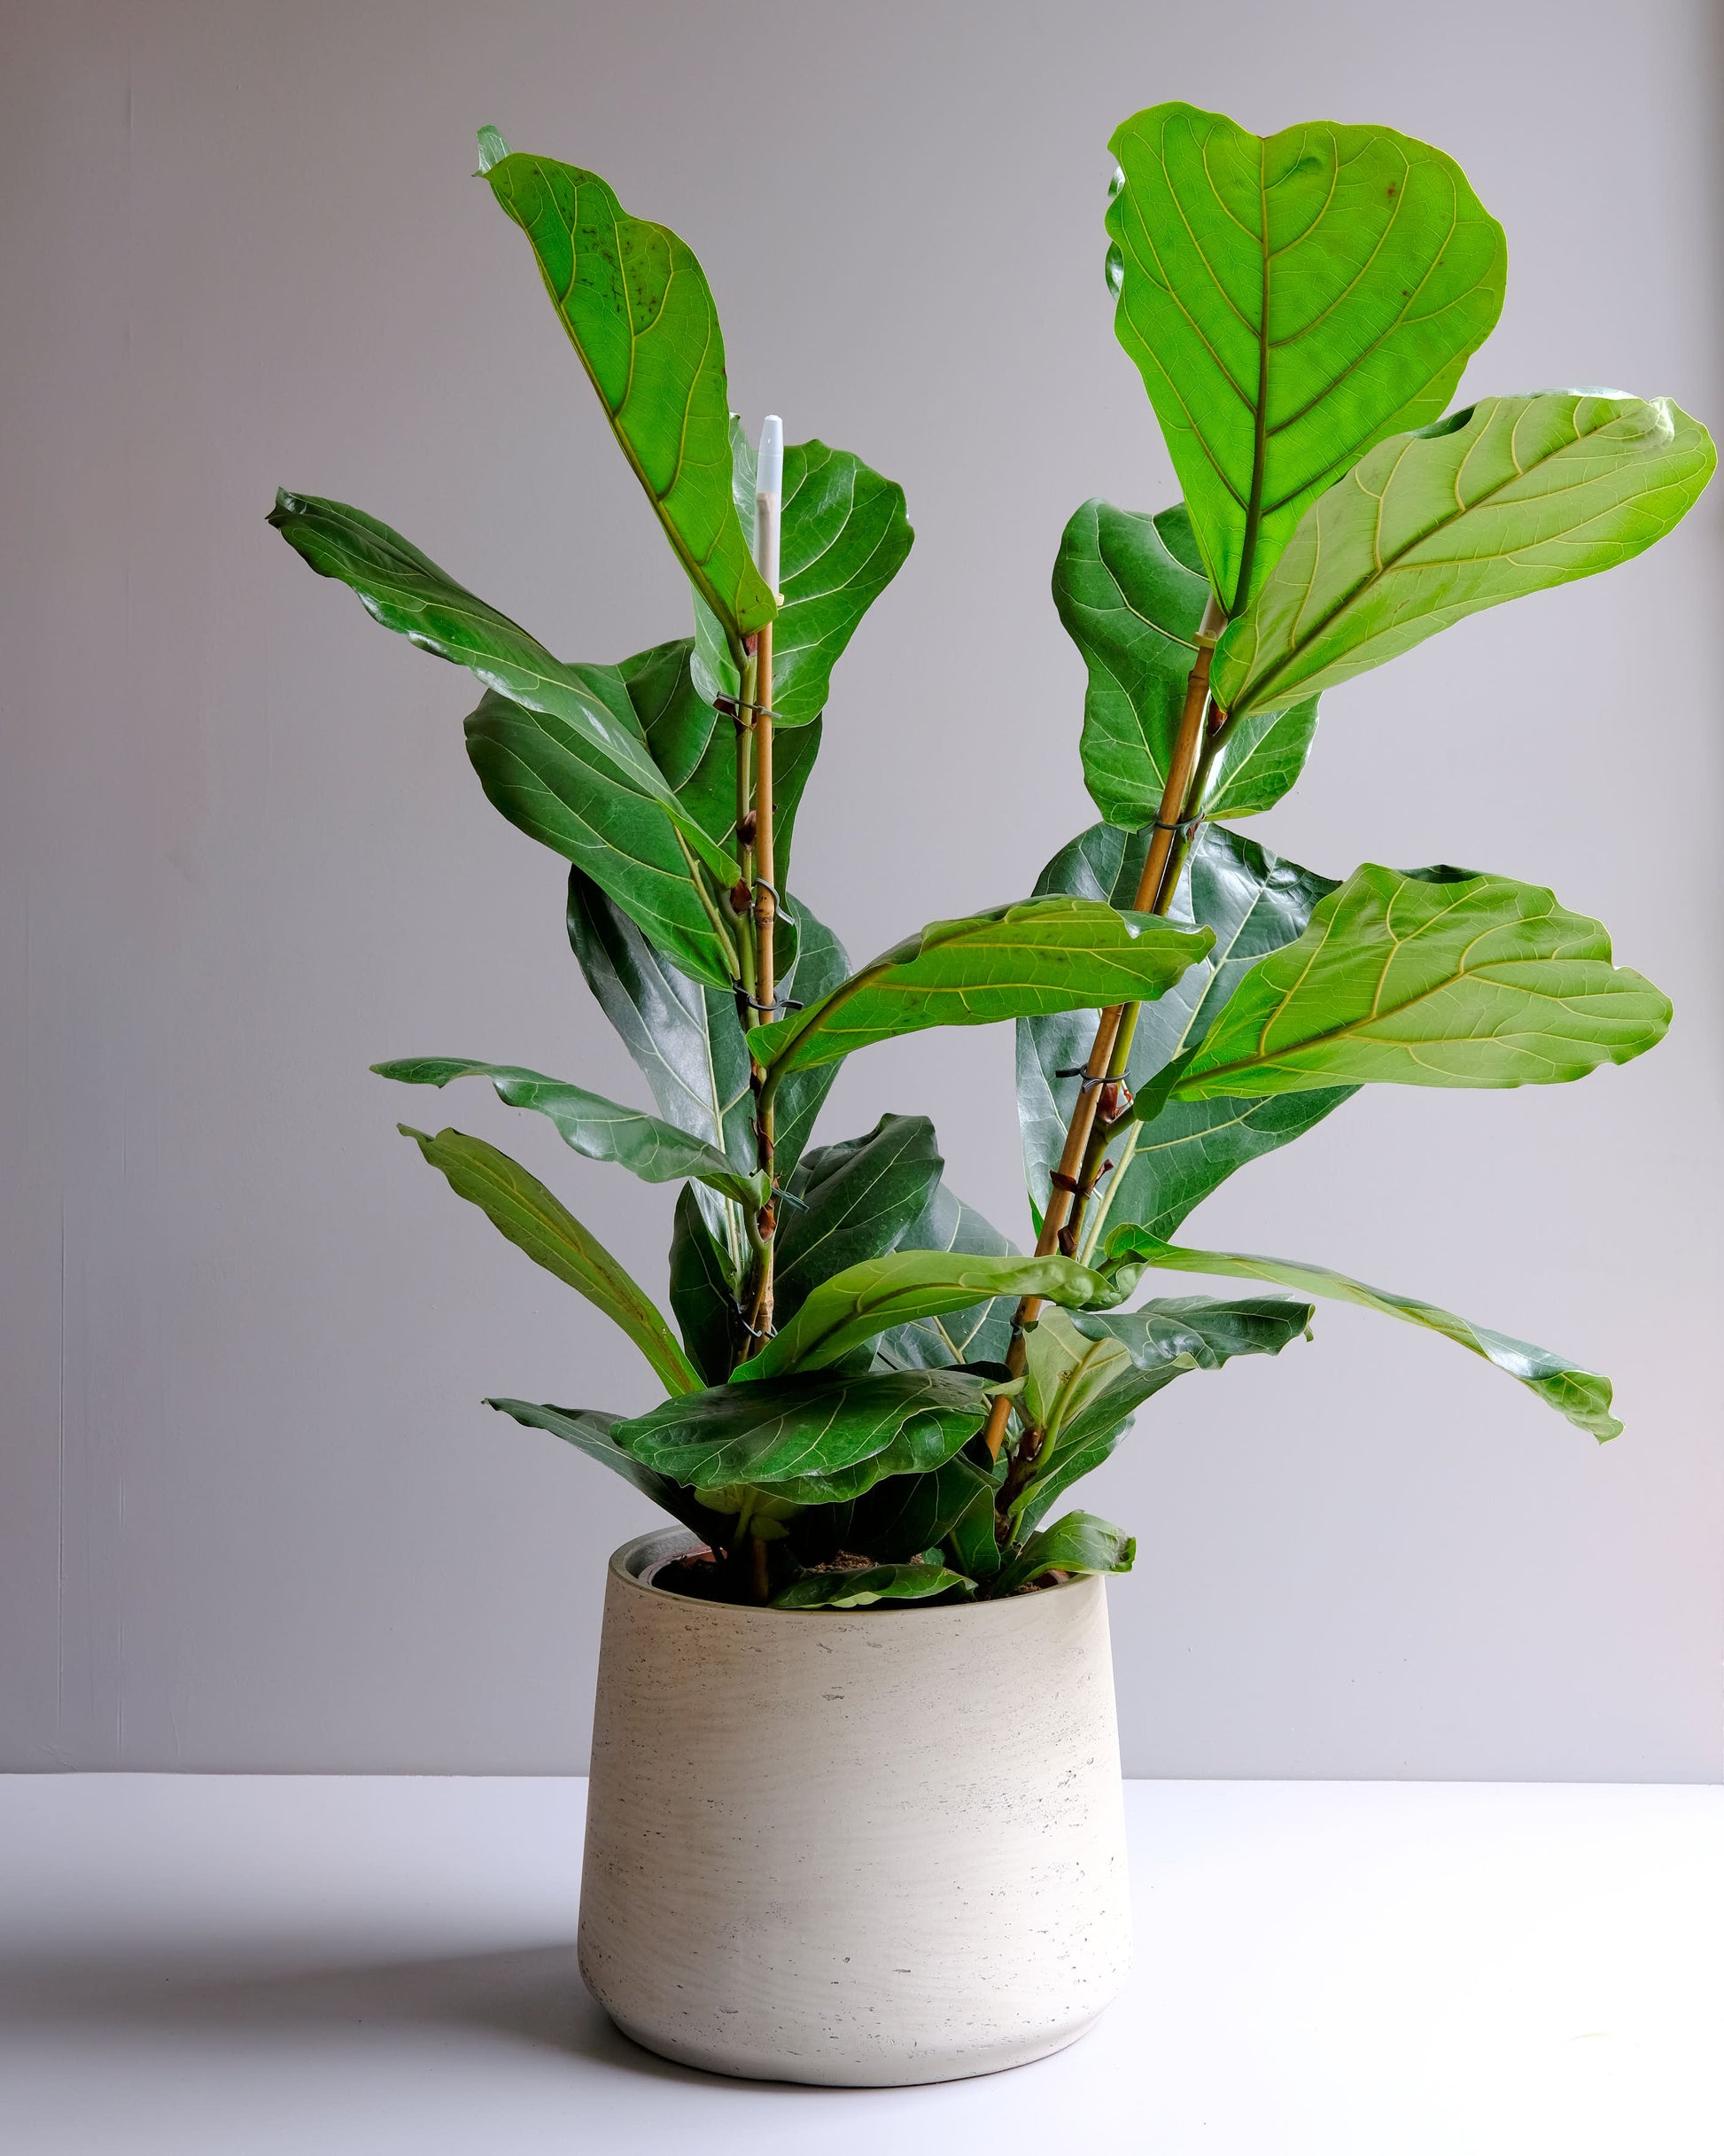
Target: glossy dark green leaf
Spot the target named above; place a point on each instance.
(703, 1292)
(656, 1151)
(857, 1305)
(1133, 611)
(1289, 300)
(589, 1431)
(1406, 980)
(843, 537)
(1041, 954)
(1511, 496)
(979, 1334)
(1254, 902)
(853, 1200)
(638, 310)
(952, 1505)
(519, 1207)
(814, 1440)
(856, 1589)
(709, 794)
(1581, 1395)
(1076, 1543)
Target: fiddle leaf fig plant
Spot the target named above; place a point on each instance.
(872, 1398)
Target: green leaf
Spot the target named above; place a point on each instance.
(981, 1333)
(852, 1201)
(1164, 1339)
(1289, 300)
(1067, 1370)
(1511, 496)
(639, 311)
(900, 1288)
(857, 1588)
(703, 1292)
(1041, 954)
(1254, 902)
(1581, 1395)
(589, 1432)
(1133, 611)
(843, 537)
(519, 1207)
(1402, 979)
(406, 591)
(814, 1440)
(657, 1152)
(951, 1506)
(1077, 1543)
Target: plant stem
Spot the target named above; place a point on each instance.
(765, 972)
(1188, 774)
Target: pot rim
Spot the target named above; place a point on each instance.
(633, 1563)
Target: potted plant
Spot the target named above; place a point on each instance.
(855, 1810)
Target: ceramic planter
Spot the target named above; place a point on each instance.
(866, 1847)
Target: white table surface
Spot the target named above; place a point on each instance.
(321, 1964)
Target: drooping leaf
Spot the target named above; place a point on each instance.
(639, 311)
(856, 1589)
(1468, 980)
(852, 1202)
(1511, 496)
(1289, 300)
(1133, 609)
(406, 591)
(1164, 1339)
(1254, 902)
(703, 1292)
(814, 1440)
(979, 1334)
(656, 1151)
(589, 1431)
(843, 537)
(1076, 1543)
(519, 1207)
(865, 1300)
(1581, 1395)
(1041, 954)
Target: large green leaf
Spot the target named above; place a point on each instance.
(589, 1431)
(1133, 609)
(703, 1291)
(843, 537)
(1511, 496)
(638, 310)
(1254, 902)
(1041, 954)
(856, 1587)
(814, 1440)
(852, 1201)
(1438, 979)
(656, 1151)
(898, 1520)
(1163, 1340)
(411, 594)
(865, 1299)
(1077, 1543)
(1581, 1395)
(979, 1334)
(1289, 300)
(519, 1206)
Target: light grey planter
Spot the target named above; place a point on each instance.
(866, 1847)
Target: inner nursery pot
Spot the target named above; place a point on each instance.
(864, 1848)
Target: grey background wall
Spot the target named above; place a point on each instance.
(254, 1515)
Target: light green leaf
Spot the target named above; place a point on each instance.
(814, 1440)
(1511, 496)
(1581, 1395)
(589, 1431)
(1289, 300)
(1076, 1543)
(1133, 609)
(1405, 979)
(1041, 954)
(519, 1207)
(639, 311)
(1067, 1370)
(852, 1201)
(981, 1333)
(657, 1152)
(857, 1587)
(900, 1288)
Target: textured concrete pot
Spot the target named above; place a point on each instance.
(866, 1847)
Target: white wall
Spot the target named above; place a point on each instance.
(254, 1515)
